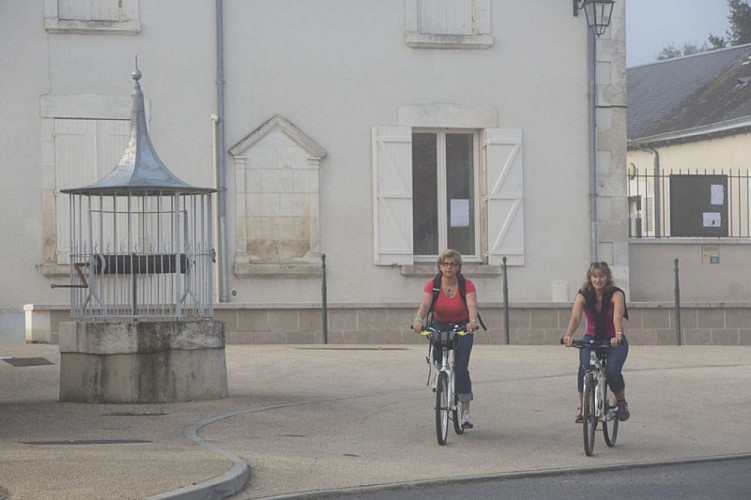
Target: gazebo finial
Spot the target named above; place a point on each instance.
(136, 72)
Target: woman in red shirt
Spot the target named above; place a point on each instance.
(449, 310)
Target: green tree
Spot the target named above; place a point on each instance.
(740, 22)
(671, 52)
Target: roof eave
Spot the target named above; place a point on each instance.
(705, 132)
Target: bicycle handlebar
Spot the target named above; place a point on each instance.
(580, 344)
(430, 330)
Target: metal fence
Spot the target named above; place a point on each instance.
(145, 256)
(689, 203)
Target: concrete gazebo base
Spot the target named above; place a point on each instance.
(150, 361)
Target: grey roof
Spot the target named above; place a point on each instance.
(140, 171)
(688, 96)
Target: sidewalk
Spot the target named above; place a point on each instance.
(308, 418)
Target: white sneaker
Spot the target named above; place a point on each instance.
(467, 420)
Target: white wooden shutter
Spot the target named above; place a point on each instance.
(85, 151)
(505, 196)
(392, 195)
(445, 17)
(88, 10)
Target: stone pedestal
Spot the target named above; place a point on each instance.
(150, 361)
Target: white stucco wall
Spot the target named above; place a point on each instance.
(335, 69)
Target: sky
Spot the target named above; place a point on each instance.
(652, 25)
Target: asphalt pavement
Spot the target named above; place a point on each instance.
(305, 421)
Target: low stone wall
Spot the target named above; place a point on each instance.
(649, 323)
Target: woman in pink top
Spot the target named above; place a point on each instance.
(449, 310)
(604, 305)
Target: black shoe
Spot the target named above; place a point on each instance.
(622, 411)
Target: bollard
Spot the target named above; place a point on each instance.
(325, 313)
(505, 302)
(677, 305)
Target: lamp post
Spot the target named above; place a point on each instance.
(598, 14)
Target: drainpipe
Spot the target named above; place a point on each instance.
(221, 183)
(658, 195)
(658, 190)
(595, 233)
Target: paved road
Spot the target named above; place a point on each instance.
(714, 479)
(326, 418)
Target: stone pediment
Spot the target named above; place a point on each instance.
(276, 178)
(281, 124)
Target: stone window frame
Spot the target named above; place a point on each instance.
(501, 189)
(129, 23)
(52, 107)
(481, 38)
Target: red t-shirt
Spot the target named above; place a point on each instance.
(452, 310)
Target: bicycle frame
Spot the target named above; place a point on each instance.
(448, 406)
(597, 369)
(447, 367)
(595, 406)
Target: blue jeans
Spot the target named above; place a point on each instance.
(461, 361)
(615, 360)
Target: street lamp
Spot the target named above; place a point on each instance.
(598, 13)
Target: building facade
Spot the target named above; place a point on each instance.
(365, 135)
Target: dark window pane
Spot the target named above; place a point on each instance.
(460, 192)
(424, 194)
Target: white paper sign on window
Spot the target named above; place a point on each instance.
(717, 194)
(459, 213)
(712, 219)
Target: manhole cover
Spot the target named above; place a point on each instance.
(19, 362)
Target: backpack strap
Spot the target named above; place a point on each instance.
(436, 292)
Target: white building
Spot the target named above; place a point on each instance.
(376, 132)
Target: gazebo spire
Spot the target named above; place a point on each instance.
(140, 169)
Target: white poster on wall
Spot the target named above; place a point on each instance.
(459, 213)
(712, 219)
(717, 194)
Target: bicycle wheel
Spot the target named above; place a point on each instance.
(442, 408)
(609, 422)
(589, 413)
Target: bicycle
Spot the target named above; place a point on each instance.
(596, 406)
(447, 404)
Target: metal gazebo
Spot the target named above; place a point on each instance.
(141, 243)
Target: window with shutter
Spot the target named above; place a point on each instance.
(448, 24)
(91, 16)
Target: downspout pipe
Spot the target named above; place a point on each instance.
(595, 232)
(658, 190)
(221, 182)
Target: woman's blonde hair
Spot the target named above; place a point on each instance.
(452, 254)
